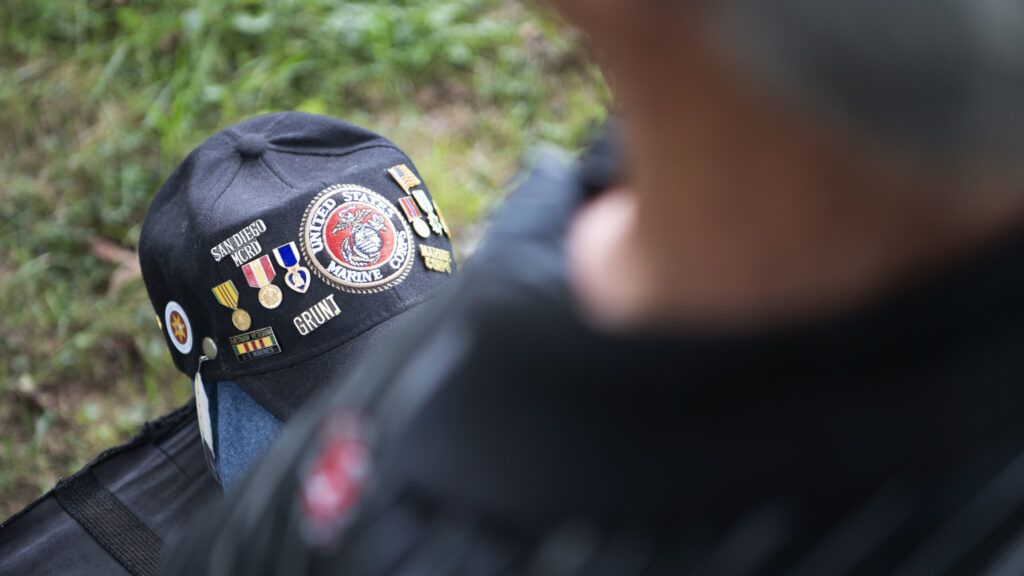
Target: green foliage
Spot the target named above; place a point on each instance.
(100, 99)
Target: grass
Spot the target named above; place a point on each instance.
(100, 99)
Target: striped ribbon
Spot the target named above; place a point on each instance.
(259, 272)
(226, 294)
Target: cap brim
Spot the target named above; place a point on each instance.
(283, 391)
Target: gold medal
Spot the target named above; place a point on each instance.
(259, 274)
(227, 295)
(415, 216)
(270, 296)
(241, 319)
(421, 228)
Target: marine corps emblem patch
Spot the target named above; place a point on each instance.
(356, 240)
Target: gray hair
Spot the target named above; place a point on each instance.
(943, 78)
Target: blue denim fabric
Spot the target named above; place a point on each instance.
(244, 431)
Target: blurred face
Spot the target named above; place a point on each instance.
(595, 15)
(938, 78)
(625, 23)
(656, 56)
(644, 45)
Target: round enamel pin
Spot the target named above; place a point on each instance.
(356, 240)
(178, 327)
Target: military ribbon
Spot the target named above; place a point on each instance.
(227, 295)
(259, 274)
(412, 211)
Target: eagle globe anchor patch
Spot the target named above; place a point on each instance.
(356, 240)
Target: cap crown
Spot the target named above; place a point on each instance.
(319, 190)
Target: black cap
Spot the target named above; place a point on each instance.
(284, 247)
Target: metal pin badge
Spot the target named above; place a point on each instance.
(209, 348)
(227, 294)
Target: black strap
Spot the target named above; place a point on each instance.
(111, 524)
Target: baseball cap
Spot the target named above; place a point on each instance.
(284, 248)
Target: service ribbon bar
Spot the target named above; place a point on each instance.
(405, 177)
(412, 211)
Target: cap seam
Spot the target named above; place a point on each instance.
(273, 171)
(278, 117)
(213, 204)
(276, 148)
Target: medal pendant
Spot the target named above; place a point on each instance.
(297, 279)
(435, 224)
(241, 319)
(415, 216)
(421, 228)
(227, 294)
(270, 296)
(259, 274)
(440, 218)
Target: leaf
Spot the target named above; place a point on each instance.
(313, 106)
(127, 261)
(253, 25)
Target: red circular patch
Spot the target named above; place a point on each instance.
(356, 239)
(359, 236)
(333, 480)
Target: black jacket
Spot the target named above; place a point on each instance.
(116, 514)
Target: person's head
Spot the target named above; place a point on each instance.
(787, 157)
(942, 80)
